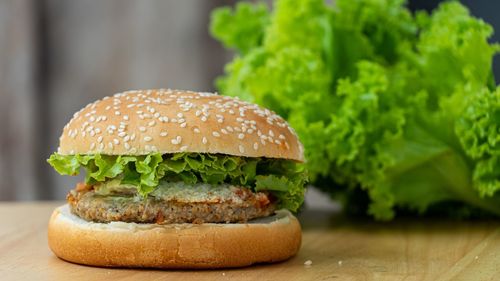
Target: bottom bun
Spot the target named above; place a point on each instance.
(120, 244)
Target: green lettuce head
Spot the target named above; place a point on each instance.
(398, 110)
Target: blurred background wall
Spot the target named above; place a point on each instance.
(56, 56)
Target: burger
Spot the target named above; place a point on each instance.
(178, 179)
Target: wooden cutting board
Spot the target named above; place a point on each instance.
(339, 249)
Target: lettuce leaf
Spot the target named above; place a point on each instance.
(397, 111)
(242, 29)
(284, 178)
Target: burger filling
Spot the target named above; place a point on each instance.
(181, 187)
(171, 203)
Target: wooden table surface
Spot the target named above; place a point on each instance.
(339, 248)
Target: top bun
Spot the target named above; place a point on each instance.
(170, 121)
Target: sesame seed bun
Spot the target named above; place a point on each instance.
(122, 244)
(170, 121)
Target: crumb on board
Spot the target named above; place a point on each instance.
(340, 263)
(308, 262)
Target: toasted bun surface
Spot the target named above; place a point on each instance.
(169, 121)
(120, 244)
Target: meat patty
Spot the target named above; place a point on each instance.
(237, 204)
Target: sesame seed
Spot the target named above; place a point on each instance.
(215, 134)
(125, 117)
(148, 138)
(104, 118)
(152, 123)
(163, 134)
(117, 113)
(281, 136)
(122, 134)
(127, 146)
(242, 149)
(196, 130)
(92, 133)
(99, 139)
(142, 129)
(224, 131)
(203, 118)
(204, 140)
(116, 141)
(110, 145)
(132, 137)
(180, 115)
(184, 148)
(271, 133)
(241, 136)
(183, 125)
(255, 146)
(92, 146)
